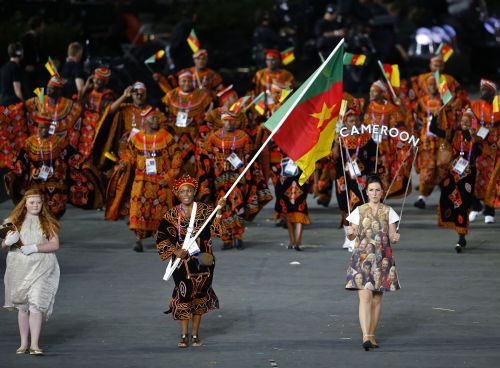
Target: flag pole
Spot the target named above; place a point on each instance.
(170, 267)
(397, 173)
(345, 179)
(406, 191)
(387, 79)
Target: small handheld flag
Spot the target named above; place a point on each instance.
(40, 92)
(284, 94)
(51, 67)
(288, 55)
(392, 74)
(193, 41)
(236, 107)
(444, 91)
(445, 51)
(354, 59)
(495, 104)
(157, 56)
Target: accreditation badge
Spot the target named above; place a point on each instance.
(483, 132)
(290, 169)
(182, 119)
(353, 168)
(461, 165)
(428, 132)
(150, 166)
(235, 161)
(44, 173)
(52, 128)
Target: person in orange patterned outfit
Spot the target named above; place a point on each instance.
(186, 108)
(380, 111)
(42, 164)
(97, 101)
(488, 161)
(229, 150)
(157, 162)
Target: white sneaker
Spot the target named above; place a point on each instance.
(489, 219)
(473, 215)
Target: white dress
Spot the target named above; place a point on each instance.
(31, 280)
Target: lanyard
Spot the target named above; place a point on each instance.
(462, 147)
(153, 154)
(56, 110)
(196, 78)
(233, 146)
(186, 109)
(41, 151)
(482, 115)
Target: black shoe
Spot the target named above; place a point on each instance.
(458, 248)
(227, 246)
(239, 244)
(298, 248)
(461, 241)
(138, 246)
(367, 345)
(420, 204)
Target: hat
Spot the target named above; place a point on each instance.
(199, 53)
(150, 110)
(228, 116)
(468, 112)
(185, 74)
(185, 180)
(272, 54)
(380, 85)
(139, 85)
(57, 81)
(224, 94)
(103, 73)
(489, 84)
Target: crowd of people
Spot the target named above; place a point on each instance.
(166, 168)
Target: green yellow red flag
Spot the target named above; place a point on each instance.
(51, 67)
(304, 126)
(193, 41)
(392, 74)
(288, 55)
(445, 51)
(442, 84)
(236, 107)
(284, 94)
(157, 56)
(354, 59)
(40, 94)
(495, 104)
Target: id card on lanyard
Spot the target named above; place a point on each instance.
(483, 131)
(233, 158)
(182, 119)
(377, 137)
(461, 165)
(53, 124)
(352, 164)
(45, 171)
(428, 119)
(150, 161)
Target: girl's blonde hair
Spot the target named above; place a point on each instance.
(49, 224)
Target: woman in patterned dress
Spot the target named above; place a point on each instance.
(193, 295)
(372, 270)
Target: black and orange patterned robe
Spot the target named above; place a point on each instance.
(193, 293)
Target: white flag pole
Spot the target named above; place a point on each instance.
(406, 191)
(170, 267)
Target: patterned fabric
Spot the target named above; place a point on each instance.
(291, 200)
(13, 133)
(65, 112)
(490, 155)
(457, 190)
(251, 193)
(264, 79)
(32, 157)
(365, 159)
(206, 79)
(390, 153)
(151, 194)
(426, 166)
(372, 265)
(193, 293)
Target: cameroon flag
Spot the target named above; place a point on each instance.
(236, 107)
(442, 84)
(288, 56)
(193, 41)
(51, 67)
(354, 59)
(306, 122)
(157, 56)
(392, 74)
(445, 51)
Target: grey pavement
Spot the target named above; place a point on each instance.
(108, 311)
